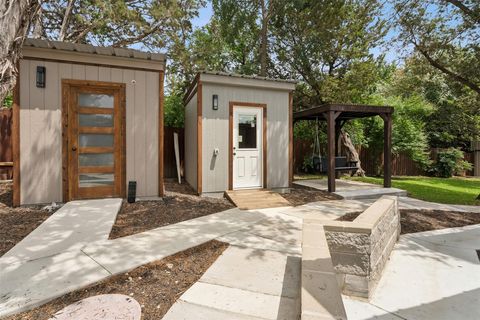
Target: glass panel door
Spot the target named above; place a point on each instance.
(96, 143)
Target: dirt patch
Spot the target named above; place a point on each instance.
(17, 223)
(156, 286)
(426, 220)
(300, 195)
(179, 204)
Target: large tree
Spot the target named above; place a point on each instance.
(446, 34)
(327, 44)
(16, 17)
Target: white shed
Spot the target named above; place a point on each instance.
(86, 121)
(238, 133)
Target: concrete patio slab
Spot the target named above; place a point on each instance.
(360, 310)
(430, 275)
(72, 226)
(26, 285)
(123, 254)
(234, 300)
(352, 189)
(182, 310)
(262, 271)
(411, 203)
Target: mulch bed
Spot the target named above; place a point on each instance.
(426, 220)
(179, 204)
(17, 223)
(156, 286)
(300, 195)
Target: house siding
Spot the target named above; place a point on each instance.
(41, 127)
(215, 131)
(191, 147)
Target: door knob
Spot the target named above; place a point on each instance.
(74, 148)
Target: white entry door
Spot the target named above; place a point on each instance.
(247, 147)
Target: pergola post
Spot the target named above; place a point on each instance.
(331, 116)
(387, 150)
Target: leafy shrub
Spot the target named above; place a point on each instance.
(7, 103)
(307, 165)
(450, 162)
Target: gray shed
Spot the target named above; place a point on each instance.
(238, 133)
(86, 121)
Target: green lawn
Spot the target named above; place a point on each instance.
(442, 190)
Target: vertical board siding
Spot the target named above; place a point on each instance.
(35, 184)
(215, 133)
(139, 131)
(25, 142)
(41, 127)
(53, 133)
(191, 142)
(151, 135)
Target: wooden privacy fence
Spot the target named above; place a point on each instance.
(372, 162)
(6, 164)
(170, 167)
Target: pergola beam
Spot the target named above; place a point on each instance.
(330, 115)
(387, 150)
(336, 115)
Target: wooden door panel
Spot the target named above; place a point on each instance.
(95, 141)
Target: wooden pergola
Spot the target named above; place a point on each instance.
(336, 116)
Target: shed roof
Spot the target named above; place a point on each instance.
(238, 75)
(65, 51)
(235, 79)
(346, 111)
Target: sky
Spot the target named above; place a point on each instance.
(390, 51)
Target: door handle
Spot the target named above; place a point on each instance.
(74, 148)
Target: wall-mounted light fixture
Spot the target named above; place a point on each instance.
(41, 76)
(215, 102)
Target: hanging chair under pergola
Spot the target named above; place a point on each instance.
(336, 116)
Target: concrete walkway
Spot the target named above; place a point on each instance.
(257, 277)
(351, 190)
(31, 279)
(72, 226)
(430, 275)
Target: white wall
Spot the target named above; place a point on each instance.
(215, 133)
(41, 127)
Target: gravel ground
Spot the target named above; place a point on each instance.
(300, 195)
(179, 204)
(156, 286)
(425, 220)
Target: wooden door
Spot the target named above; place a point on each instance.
(95, 141)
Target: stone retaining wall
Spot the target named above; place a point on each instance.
(361, 248)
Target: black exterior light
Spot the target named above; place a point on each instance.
(132, 191)
(215, 102)
(41, 76)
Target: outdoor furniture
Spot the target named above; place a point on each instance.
(320, 165)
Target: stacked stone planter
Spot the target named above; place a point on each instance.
(361, 248)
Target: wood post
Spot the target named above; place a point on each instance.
(330, 115)
(387, 150)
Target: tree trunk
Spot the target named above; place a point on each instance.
(352, 154)
(66, 19)
(16, 16)
(266, 13)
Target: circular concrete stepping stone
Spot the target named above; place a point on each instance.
(105, 306)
